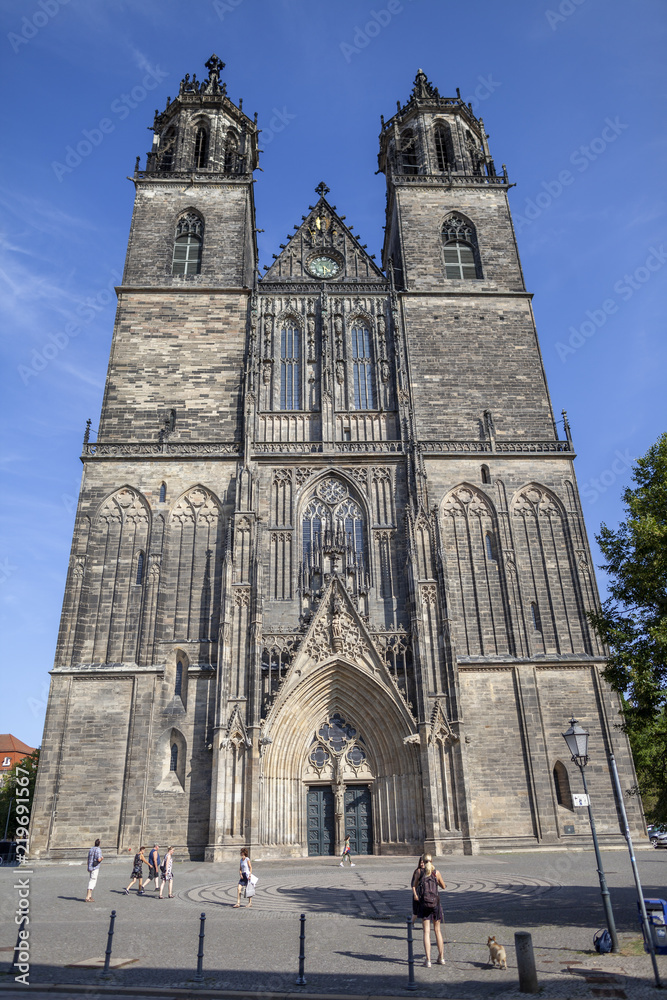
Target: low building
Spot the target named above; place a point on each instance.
(11, 752)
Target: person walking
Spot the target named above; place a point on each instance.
(138, 872)
(168, 872)
(245, 871)
(347, 853)
(426, 892)
(416, 875)
(94, 860)
(154, 866)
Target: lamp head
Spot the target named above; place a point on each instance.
(577, 741)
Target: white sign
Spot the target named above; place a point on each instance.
(579, 800)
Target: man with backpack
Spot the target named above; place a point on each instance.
(154, 866)
(426, 893)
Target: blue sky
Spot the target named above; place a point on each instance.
(572, 95)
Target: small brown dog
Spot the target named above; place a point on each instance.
(497, 956)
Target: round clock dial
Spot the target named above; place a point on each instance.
(323, 267)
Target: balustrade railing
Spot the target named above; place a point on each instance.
(361, 425)
(288, 426)
(497, 447)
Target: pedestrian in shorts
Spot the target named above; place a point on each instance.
(154, 866)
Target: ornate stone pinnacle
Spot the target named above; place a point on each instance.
(321, 189)
(214, 66)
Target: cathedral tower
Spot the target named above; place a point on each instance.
(329, 572)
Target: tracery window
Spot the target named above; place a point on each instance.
(290, 367)
(187, 245)
(140, 568)
(460, 248)
(201, 148)
(337, 739)
(333, 534)
(332, 513)
(364, 396)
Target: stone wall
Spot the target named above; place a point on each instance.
(181, 351)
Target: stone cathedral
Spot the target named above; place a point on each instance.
(329, 572)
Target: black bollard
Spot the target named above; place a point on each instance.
(199, 974)
(301, 979)
(411, 958)
(107, 954)
(19, 943)
(525, 959)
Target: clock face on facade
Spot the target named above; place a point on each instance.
(323, 267)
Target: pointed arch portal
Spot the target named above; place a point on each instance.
(387, 783)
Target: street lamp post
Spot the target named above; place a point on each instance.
(577, 741)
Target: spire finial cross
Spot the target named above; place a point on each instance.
(321, 189)
(214, 67)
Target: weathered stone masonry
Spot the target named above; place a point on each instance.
(329, 571)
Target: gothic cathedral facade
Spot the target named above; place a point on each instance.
(329, 572)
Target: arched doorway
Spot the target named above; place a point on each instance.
(336, 761)
(339, 775)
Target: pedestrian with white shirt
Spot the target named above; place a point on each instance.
(94, 860)
(168, 872)
(245, 871)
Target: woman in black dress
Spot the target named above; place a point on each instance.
(138, 871)
(427, 895)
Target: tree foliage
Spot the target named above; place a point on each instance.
(8, 797)
(633, 622)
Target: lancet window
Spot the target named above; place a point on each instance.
(290, 367)
(168, 149)
(364, 395)
(443, 147)
(409, 153)
(201, 147)
(231, 153)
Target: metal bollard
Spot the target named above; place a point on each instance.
(301, 979)
(17, 949)
(107, 955)
(525, 960)
(411, 958)
(199, 974)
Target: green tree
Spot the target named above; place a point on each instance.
(8, 797)
(633, 622)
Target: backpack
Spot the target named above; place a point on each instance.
(428, 891)
(602, 942)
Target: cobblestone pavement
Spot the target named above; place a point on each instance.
(355, 927)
